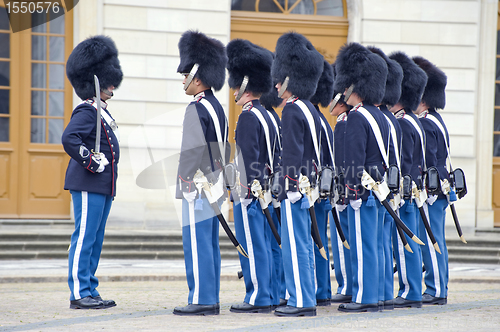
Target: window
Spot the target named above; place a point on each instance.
(4, 76)
(302, 7)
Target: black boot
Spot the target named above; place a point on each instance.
(358, 307)
(107, 303)
(428, 299)
(248, 308)
(289, 311)
(339, 298)
(86, 303)
(197, 310)
(400, 302)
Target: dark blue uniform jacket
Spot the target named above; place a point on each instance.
(199, 149)
(326, 155)
(399, 135)
(298, 155)
(251, 143)
(78, 140)
(362, 151)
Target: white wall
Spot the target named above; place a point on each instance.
(447, 33)
(151, 94)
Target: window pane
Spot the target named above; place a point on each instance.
(4, 129)
(248, 5)
(56, 103)
(330, 8)
(496, 126)
(38, 75)
(498, 69)
(4, 19)
(38, 22)
(4, 101)
(38, 103)
(56, 50)
(57, 24)
(37, 130)
(305, 7)
(56, 77)
(55, 130)
(39, 47)
(497, 94)
(4, 45)
(4, 73)
(496, 145)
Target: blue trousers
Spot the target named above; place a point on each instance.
(200, 240)
(409, 264)
(278, 281)
(91, 213)
(341, 255)
(298, 254)
(254, 234)
(363, 240)
(386, 279)
(436, 265)
(323, 282)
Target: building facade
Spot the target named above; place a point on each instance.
(459, 36)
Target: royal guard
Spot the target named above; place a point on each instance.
(362, 75)
(322, 207)
(297, 69)
(437, 156)
(340, 252)
(391, 97)
(270, 101)
(409, 264)
(257, 144)
(200, 185)
(91, 139)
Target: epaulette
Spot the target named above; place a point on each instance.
(400, 114)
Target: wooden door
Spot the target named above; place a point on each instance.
(32, 160)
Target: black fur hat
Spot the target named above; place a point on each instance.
(414, 81)
(208, 53)
(297, 58)
(270, 99)
(394, 78)
(248, 59)
(94, 56)
(356, 65)
(434, 94)
(324, 91)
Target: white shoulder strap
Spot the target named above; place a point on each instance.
(443, 131)
(266, 132)
(394, 137)
(276, 127)
(376, 131)
(215, 119)
(312, 127)
(330, 146)
(421, 134)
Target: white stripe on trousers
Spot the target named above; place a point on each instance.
(293, 249)
(359, 252)
(194, 253)
(340, 246)
(79, 244)
(251, 255)
(432, 252)
(402, 267)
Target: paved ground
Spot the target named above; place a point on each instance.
(34, 297)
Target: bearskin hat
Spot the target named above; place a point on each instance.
(208, 53)
(270, 99)
(94, 56)
(394, 78)
(248, 59)
(297, 58)
(434, 94)
(414, 81)
(324, 91)
(355, 64)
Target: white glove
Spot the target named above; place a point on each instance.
(431, 199)
(190, 197)
(341, 207)
(246, 201)
(293, 196)
(103, 162)
(356, 204)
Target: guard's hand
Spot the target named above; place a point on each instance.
(246, 201)
(341, 207)
(356, 204)
(101, 159)
(190, 197)
(431, 199)
(293, 196)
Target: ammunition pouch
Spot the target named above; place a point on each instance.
(340, 185)
(458, 178)
(275, 184)
(393, 180)
(230, 176)
(432, 181)
(406, 188)
(326, 182)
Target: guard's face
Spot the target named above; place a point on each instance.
(191, 89)
(338, 109)
(108, 93)
(287, 94)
